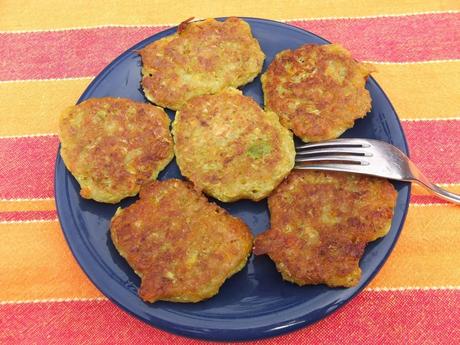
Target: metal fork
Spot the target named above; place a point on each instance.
(365, 156)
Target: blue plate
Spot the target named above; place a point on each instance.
(256, 302)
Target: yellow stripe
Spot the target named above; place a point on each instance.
(32, 205)
(36, 262)
(417, 91)
(58, 14)
(427, 251)
(420, 91)
(33, 107)
(377, 16)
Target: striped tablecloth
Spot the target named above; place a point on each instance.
(50, 51)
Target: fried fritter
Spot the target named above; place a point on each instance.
(201, 58)
(182, 246)
(318, 91)
(321, 223)
(230, 148)
(112, 146)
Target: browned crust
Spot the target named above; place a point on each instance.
(182, 246)
(183, 26)
(317, 91)
(201, 58)
(230, 148)
(114, 145)
(321, 223)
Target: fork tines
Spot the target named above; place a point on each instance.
(342, 151)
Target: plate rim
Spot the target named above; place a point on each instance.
(224, 334)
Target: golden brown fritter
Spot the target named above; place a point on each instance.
(182, 246)
(230, 148)
(321, 223)
(317, 91)
(201, 58)
(112, 146)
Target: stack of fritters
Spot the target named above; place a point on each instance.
(184, 247)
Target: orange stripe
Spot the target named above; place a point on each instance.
(427, 253)
(57, 14)
(419, 190)
(34, 107)
(420, 91)
(424, 197)
(36, 263)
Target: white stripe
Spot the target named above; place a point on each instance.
(45, 79)
(432, 204)
(103, 26)
(28, 135)
(27, 199)
(28, 221)
(55, 300)
(448, 184)
(413, 288)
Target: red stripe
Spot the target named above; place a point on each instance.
(27, 167)
(410, 317)
(394, 39)
(85, 52)
(427, 199)
(63, 54)
(27, 164)
(27, 215)
(435, 148)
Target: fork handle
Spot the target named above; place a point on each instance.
(421, 179)
(440, 192)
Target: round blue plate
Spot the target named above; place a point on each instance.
(256, 302)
